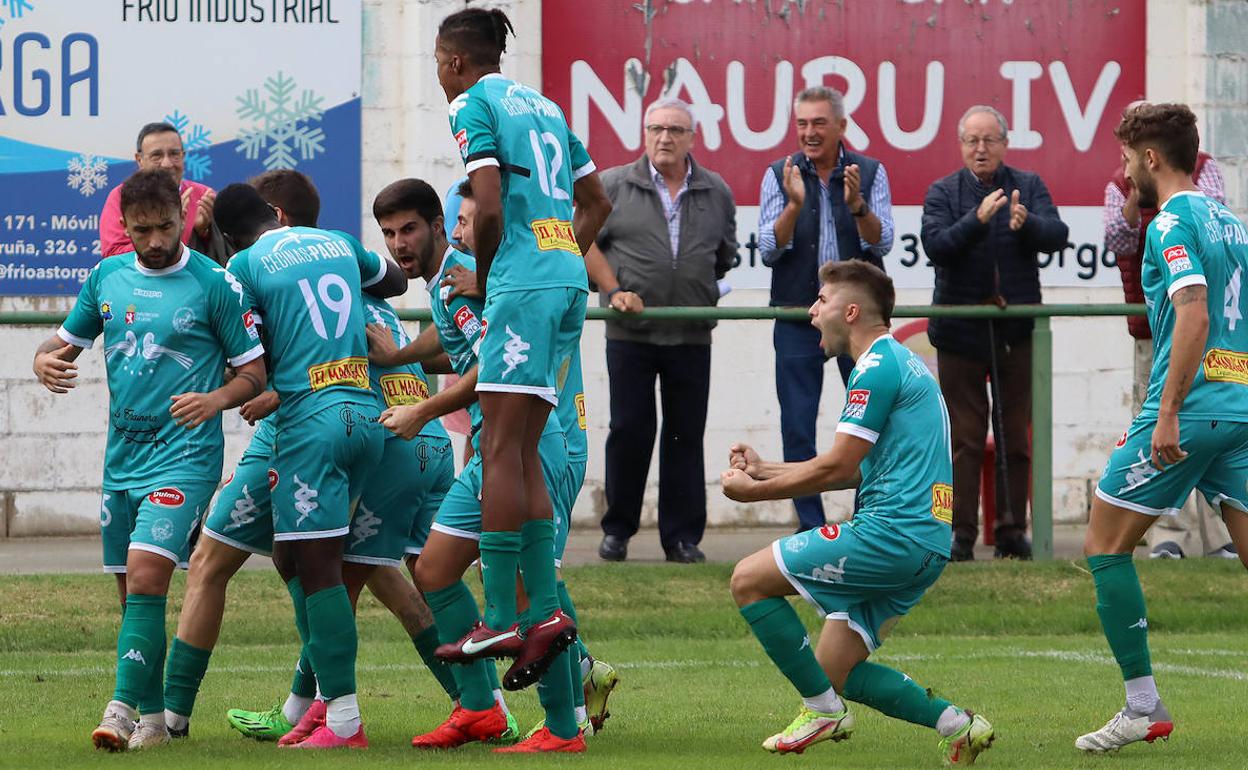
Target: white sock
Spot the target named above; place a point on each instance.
(581, 715)
(951, 720)
(827, 702)
(587, 664)
(176, 721)
(342, 715)
(116, 707)
(502, 704)
(157, 718)
(295, 707)
(1142, 697)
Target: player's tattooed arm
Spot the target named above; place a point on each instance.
(54, 364)
(592, 209)
(1191, 332)
(190, 410)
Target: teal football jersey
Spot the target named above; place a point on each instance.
(400, 385)
(1194, 240)
(305, 284)
(166, 332)
(907, 478)
(499, 122)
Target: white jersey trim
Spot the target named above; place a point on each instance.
(74, 339)
(542, 392)
(453, 532)
(381, 272)
(248, 357)
(584, 171)
(472, 166)
(165, 552)
(220, 538)
(1144, 509)
(866, 637)
(318, 535)
(866, 434)
(175, 267)
(1184, 282)
(376, 561)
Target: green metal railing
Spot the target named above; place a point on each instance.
(1041, 367)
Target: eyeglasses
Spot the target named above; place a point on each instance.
(676, 132)
(159, 155)
(988, 141)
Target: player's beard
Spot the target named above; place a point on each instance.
(1148, 190)
(158, 258)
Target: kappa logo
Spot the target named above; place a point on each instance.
(232, 281)
(830, 573)
(805, 642)
(1139, 473)
(170, 497)
(244, 512)
(135, 655)
(1177, 259)
(1165, 222)
(457, 104)
(1142, 623)
(305, 500)
(365, 525)
(162, 530)
(513, 351)
(868, 361)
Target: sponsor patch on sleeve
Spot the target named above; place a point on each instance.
(1177, 259)
(942, 503)
(461, 138)
(467, 322)
(249, 322)
(856, 404)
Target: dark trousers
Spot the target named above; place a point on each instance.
(684, 373)
(963, 381)
(799, 384)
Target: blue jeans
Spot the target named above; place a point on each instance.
(799, 384)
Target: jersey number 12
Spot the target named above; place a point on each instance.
(548, 176)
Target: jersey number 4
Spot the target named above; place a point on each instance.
(340, 305)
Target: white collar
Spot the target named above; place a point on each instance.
(434, 285)
(1197, 193)
(889, 335)
(175, 267)
(492, 76)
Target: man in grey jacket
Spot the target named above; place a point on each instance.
(671, 236)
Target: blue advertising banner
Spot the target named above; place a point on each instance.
(251, 85)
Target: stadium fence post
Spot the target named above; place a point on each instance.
(1042, 439)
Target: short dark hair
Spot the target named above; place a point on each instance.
(1170, 129)
(292, 192)
(240, 212)
(408, 195)
(478, 33)
(866, 276)
(154, 128)
(464, 190)
(154, 189)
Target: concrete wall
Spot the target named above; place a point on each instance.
(51, 448)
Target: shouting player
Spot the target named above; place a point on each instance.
(1192, 431)
(865, 574)
(171, 322)
(525, 168)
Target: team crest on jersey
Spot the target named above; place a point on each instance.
(553, 234)
(106, 310)
(830, 531)
(942, 503)
(130, 313)
(162, 530)
(183, 320)
(461, 138)
(1177, 259)
(467, 322)
(170, 497)
(856, 404)
(1226, 366)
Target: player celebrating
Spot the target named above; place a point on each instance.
(170, 322)
(305, 284)
(863, 575)
(525, 168)
(1192, 431)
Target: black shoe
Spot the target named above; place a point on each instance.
(685, 553)
(1013, 547)
(613, 548)
(962, 550)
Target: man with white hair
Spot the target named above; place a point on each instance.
(983, 226)
(825, 203)
(668, 241)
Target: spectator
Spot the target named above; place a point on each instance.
(983, 226)
(670, 237)
(823, 204)
(159, 146)
(1125, 223)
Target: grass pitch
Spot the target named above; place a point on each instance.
(1018, 642)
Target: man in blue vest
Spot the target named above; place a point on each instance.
(825, 203)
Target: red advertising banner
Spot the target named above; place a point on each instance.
(1061, 72)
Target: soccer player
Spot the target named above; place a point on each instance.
(171, 322)
(526, 169)
(305, 284)
(241, 523)
(892, 442)
(1192, 430)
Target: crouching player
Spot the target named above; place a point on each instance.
(170, 322)
(865, 574)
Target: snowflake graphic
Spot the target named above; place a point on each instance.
(87, 174)
(282, 123)
(195, 138)
(14, 9)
